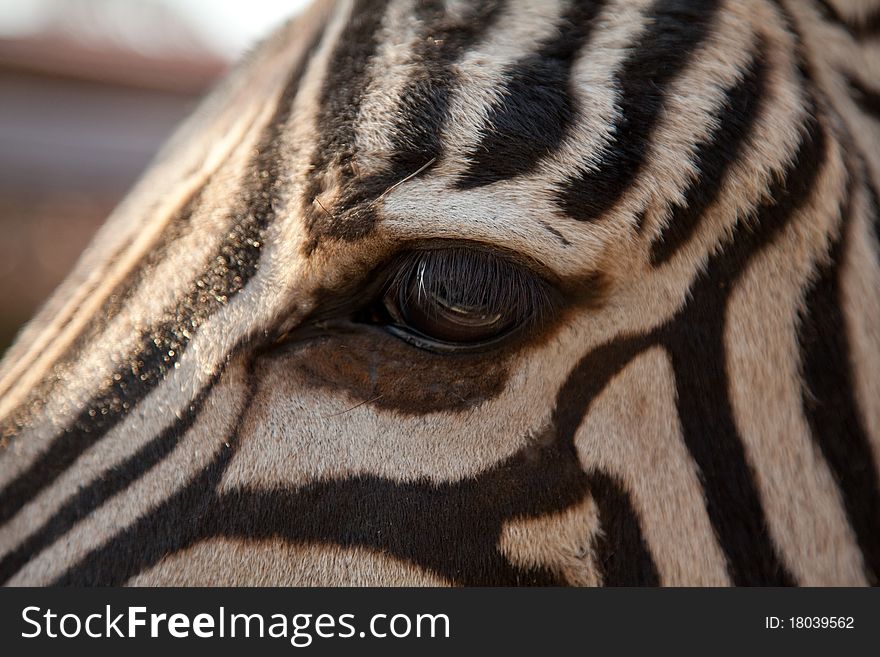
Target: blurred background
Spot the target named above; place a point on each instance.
(89, 91)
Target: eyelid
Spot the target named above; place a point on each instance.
(430, 344)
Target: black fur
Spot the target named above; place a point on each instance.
(829, 403)
(696, 343)
(536, 108)
(675, 30)
(622, 554)
(161, 345)
(342, 94)
(714, 156)
(861, 30)
(451, 529)
(89, 498)
(867, 99)
(422, 112)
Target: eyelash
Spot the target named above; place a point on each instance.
(475, 278)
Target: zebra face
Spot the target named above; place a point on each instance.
(476, 293)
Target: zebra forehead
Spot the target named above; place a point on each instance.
(556, 107)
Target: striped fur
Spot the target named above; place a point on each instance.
(203, 402)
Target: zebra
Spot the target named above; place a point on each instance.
(435, 292)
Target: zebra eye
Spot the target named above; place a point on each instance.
(457, 299)
(444, 311)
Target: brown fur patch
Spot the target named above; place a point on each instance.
(378, 369)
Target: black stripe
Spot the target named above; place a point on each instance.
(639, 221)
(121, 295)
(172, 526)
(676, 28)
(874, 203)
(345, 84)
(536, 105)
(160, 347)
(714, 157)
(621, 552)
(695, 339)
(116, 479)
(424, 104)
(451, 529)
(829, 403)
(416, 129)
(27, 412)
(559, 236)
(864, 29)
(867, 99)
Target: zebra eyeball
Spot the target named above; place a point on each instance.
(458, 299)
(444, 312)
